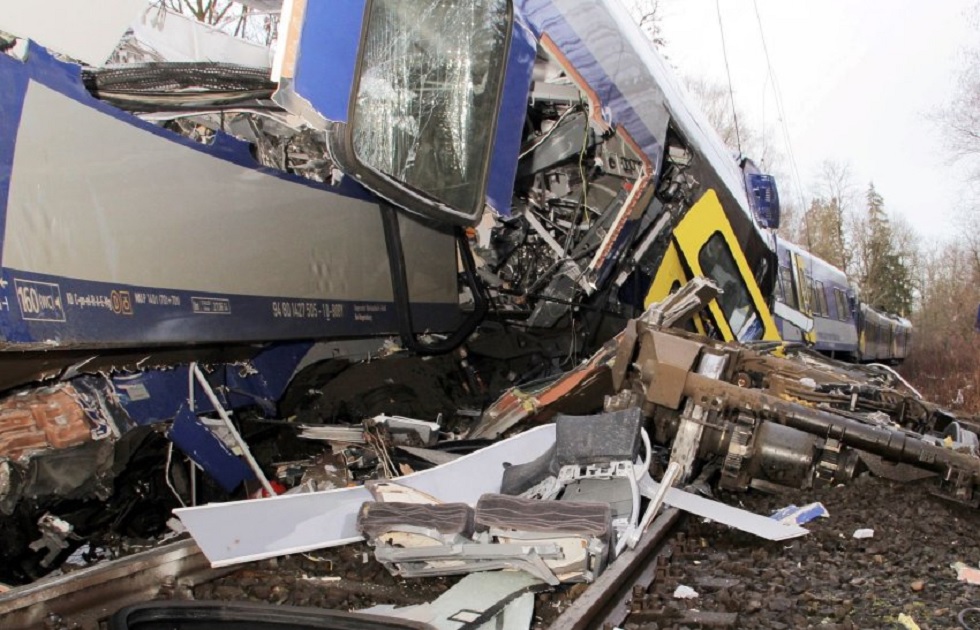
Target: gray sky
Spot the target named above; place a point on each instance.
(858, 80)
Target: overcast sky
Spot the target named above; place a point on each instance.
(858, 79)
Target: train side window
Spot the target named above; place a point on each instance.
(786, 287)
(843, 308)
(811, 294)
(819, 299)
(717, 262)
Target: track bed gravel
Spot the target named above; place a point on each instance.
(828, 579)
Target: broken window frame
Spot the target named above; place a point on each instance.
(785, 284)
(400, 191)
(729, 309)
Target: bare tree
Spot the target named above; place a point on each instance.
(960, 119)
(231, 17)
(648, 14)
(827, 220)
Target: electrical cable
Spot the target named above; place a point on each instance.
(731, 92)
(545, 135)
(783, 126)
(166, 474)
(961, 617)
(399, 289)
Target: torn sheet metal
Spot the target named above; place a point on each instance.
(87, 31)
(755, 524)
(41, 419)
(241, 531)
(516, 405)
(499, 600)
(201, 444)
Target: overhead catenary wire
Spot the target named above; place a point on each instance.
(780, 110)
(728, 72)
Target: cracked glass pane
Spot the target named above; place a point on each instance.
(430, 76)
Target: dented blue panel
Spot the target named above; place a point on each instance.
(210, 453)
(587, 35)
(327, 57)
(510, 119)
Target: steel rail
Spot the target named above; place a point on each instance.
(81, 599)
(606, 602)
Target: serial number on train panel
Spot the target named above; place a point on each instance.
(299, 310)
(156, 299)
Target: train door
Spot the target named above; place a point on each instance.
(704, 244)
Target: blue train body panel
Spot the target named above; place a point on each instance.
(118, 233)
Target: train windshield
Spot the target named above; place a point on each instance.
(429, 84)
(717, 263)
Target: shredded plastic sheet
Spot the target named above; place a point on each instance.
(427, 94)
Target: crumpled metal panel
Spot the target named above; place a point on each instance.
(87, 31)
(241, 531)
(638, 89)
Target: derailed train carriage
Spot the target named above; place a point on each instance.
(186, 238)
(815, 304)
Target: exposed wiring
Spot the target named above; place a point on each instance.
(166, 474)
(583, 210)
(548, 133)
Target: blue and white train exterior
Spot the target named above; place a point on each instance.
(815, 304)
(128, 251)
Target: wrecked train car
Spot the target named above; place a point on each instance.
(187, 237)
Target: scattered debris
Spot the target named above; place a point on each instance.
(800, 515)
(966, 573)
(560, 515)
(685, 592)
(499, 599)
(863, 533)
(55, 533)
(907, 622)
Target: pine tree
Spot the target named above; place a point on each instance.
(824, 231)
(884, 270)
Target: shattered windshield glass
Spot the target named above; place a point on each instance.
(717, 263)
(430, 76)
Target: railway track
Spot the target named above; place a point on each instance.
(86, 598)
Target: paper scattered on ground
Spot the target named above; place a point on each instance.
(685, 592)
(864, 533)
(966, 573)
(793, 515)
